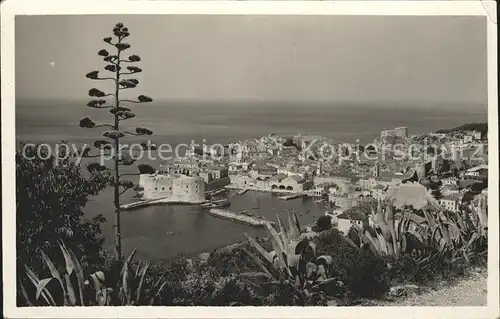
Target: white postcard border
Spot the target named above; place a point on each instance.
(35, 7)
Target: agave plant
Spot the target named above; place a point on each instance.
(464, 232)
(293, 262)
(391, 234)
(70, 278)
(77, 290)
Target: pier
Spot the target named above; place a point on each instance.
(292, 196)
(238, 217)
(157, 201)
(243, 191)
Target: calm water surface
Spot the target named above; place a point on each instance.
(148, 229)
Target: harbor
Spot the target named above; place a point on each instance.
(163, 231)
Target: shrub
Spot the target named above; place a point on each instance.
(323, 223)
(50, 197)
(363, 273)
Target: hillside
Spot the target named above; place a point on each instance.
(480, 127)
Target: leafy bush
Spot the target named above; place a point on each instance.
(363, 273)
(50, 197)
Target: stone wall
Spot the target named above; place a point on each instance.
(181, 188)
(216, 184)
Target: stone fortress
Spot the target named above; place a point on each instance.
(398, 132)
(173, 188)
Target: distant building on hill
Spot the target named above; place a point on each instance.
(398, 132)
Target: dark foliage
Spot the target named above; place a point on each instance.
(50, 198)
(480, 127)
(363, 274)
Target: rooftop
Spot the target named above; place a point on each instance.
(279, 177)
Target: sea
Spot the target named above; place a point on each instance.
(164, 232)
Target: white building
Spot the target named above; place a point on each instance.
(452, 181)
(451, 203)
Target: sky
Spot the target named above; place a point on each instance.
(324, 59)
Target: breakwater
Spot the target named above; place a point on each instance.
(242, 218)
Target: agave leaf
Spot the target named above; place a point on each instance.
(454, 231)
(258, 262)
(382, 243)
(403, 245)
(474, 218)
(126, 279)
(460, 222)
(158, 282)
(41, 286)
(79, 275)
(437, 231)
(480, 216)
(55, 273)
(34, 279)
(98, 283)
(367, 237)
(282, 229)
(278, 246)
(294, 226)
(310, 269)
(162, 287)
(138, 268)
(103, 296)
(444, 232)
(139, 288)
(67, 258)
(267, 255)
(25, 294)
(350, 242)
(324, 259)
(417, 236)
(471, 241)
(430, 220)
(70, 289)
(389, 221)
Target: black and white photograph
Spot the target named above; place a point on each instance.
(301, 159)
